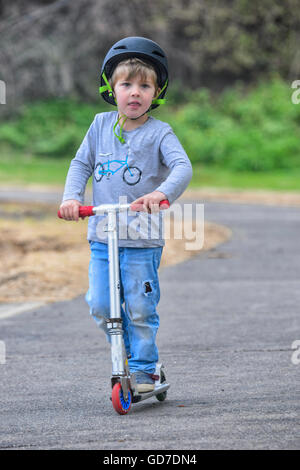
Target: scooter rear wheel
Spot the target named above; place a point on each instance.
(121, 405)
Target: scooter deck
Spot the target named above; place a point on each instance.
(143, 396)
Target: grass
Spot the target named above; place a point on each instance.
(283, 180)
(25, 170)
(33, 170)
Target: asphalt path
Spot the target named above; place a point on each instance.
(229, 318)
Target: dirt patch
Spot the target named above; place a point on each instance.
(46, 259)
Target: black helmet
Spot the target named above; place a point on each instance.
(142, 48)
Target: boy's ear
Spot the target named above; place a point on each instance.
(157, 93)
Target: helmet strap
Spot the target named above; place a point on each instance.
(158, 100)
(119, 137)
(107, 87)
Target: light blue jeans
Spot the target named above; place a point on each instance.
(139, 295)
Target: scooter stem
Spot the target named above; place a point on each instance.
(113, 256)
(115, 330)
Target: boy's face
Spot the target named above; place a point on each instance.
(134, 96)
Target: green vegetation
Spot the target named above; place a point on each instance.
(238, 139)
(47, 129)
(16, 169)
(255, 131)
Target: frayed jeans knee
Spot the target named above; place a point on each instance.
(139, 296)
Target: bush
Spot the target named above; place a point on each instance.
(256, 130)
(52, 128)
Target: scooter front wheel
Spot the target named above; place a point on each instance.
(121, 405)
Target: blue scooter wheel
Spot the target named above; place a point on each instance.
(121, 405)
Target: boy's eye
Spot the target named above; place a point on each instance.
(127, 84)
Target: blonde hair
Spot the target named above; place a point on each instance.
(132, 67)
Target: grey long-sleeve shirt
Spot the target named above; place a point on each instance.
(152, 158)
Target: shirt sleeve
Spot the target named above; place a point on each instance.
(174, 157)
(81, 167)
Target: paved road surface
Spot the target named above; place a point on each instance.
(228, 321)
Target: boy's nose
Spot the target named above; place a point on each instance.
(135, 91)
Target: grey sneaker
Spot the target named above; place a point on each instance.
(145, 382)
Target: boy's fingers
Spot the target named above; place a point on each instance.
(76, 212)
(154, 207)
(70, 210)
(137, 204)
(67, 212)
(145, 204)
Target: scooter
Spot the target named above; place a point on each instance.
(123, 383)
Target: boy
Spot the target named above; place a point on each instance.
(134, 155)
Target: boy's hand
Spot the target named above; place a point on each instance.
(69, 209)
(150, 202)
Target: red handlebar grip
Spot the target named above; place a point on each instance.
(164, 202)
(84, 211)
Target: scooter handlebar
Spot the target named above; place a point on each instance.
(87, 211)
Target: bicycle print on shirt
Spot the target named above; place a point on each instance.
(131, 174)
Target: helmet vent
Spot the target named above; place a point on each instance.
(120, 47)
(158, 53)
